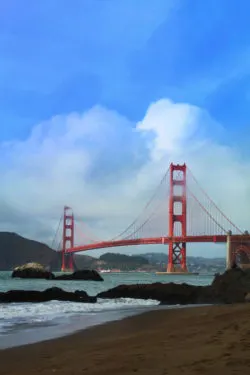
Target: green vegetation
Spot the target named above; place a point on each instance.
(123, 262)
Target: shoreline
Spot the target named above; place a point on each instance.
(47, 331)
(201, 339)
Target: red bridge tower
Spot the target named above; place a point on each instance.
(177, 214)
(68, 239)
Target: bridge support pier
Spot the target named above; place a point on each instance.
(177, 215)
(67, 262)
(229, 257)
(68, 240)
(177, 258)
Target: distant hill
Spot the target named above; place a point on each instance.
(123, 262)
(195, 264)
(16, 250)
(157, 258)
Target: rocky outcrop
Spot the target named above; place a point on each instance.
(81, 275)
(170, 294)
(37, 271)
(46, 295)
(231, 287)
(32, 271)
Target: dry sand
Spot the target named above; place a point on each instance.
(202, 340)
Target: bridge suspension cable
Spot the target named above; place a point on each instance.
(56, 233)
(231, 224)
(209, 215)
(87, 233)
(202, 216)
(144, 223)
(120, 235)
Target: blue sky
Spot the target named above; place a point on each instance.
(60, 57)
(63, 56)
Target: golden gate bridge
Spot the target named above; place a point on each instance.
(178, 213)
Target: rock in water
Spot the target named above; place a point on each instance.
(81, 275)
(51, 294)
(233, 286)
(169, 294)
(32, 271)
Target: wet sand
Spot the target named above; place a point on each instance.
(201, 340)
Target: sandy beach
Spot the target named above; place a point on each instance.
(200, 340)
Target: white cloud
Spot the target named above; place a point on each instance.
(172, 124)
(106, 168)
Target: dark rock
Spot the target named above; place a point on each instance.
(170, 294)
(247, 297)
(230, 287)
(81, 275)
(46, 295)
(32, 271)
(234, 265)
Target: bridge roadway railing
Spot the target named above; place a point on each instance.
(160, 240)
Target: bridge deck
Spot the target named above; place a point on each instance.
(157, 241)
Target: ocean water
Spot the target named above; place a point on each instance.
(23, 323)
